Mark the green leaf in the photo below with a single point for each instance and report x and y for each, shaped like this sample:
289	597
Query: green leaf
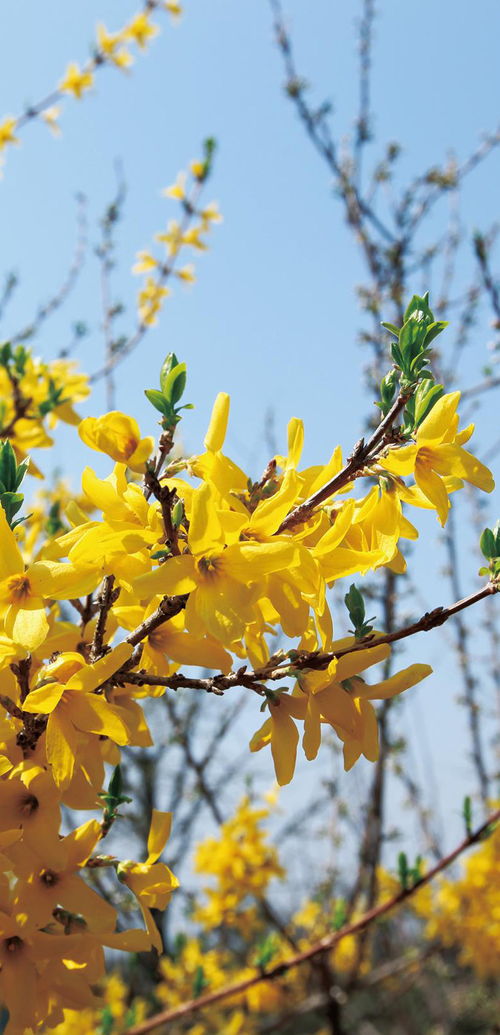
356	608
168	364
175	383
403	870
339	914
467	814
177	513
158	400
433	330
419	304
199	982
488	544
8	467
391	328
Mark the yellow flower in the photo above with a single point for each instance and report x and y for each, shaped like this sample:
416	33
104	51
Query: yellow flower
23	591
119	437
7	128
173	7
224	578
49	876
178	189
438	452
338	697
110	47
73	708
140	30
76	80
150	300
151	882
145	263
29	799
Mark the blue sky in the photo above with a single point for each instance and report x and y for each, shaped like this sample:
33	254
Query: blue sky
273	318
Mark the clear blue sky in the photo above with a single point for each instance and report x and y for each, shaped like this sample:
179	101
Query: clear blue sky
273	318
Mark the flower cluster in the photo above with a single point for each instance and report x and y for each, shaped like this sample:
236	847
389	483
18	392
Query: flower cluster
187	233
200	565
35	396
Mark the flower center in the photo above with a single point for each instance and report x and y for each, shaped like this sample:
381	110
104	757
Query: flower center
49	878
18	588
209	566
129	447
29	805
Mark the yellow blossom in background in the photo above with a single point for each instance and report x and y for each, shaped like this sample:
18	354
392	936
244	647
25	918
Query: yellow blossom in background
150	300
243	864
140	30
76	81
7	135
464	914
51	118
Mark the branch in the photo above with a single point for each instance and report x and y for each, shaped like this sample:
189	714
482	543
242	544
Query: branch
363	453
169	607
320	947
276	670
105	600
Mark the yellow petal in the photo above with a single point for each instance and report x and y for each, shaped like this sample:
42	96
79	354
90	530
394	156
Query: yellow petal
396	684
284	740
268	515
27	627
92	714
452	459
434	488
351	664
61	747
91	676
436	425
312	729
45	699
250	561
176	575
295	441
159	833
11	561
214	438
205	532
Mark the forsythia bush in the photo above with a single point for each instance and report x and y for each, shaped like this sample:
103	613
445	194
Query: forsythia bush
172	562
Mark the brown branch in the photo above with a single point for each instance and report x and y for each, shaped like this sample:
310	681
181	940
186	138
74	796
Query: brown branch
320	947
363	453
105	600
276	670
168	608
